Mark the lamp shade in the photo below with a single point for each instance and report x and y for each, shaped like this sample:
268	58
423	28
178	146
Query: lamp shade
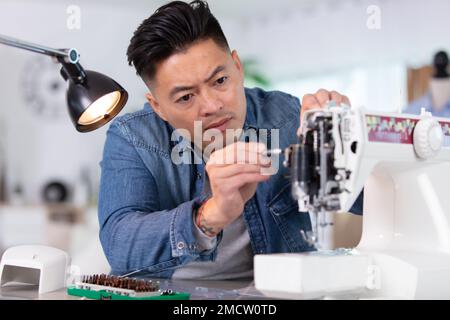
95	101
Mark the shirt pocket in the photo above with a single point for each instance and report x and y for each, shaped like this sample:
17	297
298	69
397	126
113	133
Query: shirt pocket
283	202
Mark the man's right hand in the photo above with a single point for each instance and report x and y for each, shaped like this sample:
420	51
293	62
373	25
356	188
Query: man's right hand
234	173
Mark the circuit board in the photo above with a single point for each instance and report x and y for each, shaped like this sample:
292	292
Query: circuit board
105	287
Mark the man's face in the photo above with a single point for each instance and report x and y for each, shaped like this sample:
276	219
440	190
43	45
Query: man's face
203	83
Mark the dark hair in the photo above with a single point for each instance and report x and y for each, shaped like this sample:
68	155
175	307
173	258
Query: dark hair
172	29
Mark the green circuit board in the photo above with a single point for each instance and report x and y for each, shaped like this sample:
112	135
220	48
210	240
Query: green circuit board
104	295
106	287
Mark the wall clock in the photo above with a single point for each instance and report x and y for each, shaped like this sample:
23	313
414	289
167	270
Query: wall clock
43	88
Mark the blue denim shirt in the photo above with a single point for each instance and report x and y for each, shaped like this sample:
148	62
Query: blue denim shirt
146	201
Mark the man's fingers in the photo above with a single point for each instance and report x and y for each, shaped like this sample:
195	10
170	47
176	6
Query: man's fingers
237	169
336	97
339	98
323	96
240	152
244	158
246	178
240	148
309	101
249	146
319	100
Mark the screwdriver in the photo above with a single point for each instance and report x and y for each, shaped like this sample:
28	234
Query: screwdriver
271	152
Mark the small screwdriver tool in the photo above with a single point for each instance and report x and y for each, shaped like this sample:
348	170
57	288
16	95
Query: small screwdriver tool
271	152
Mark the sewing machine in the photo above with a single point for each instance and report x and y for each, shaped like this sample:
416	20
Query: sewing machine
403	164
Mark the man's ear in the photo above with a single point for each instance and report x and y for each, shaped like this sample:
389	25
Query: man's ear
237	62
156	106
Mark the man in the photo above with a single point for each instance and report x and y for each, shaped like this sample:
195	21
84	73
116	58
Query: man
199	219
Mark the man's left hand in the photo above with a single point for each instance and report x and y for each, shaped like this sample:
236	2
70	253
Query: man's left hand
320	99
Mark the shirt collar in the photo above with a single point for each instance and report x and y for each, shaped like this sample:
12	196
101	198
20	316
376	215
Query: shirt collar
250	119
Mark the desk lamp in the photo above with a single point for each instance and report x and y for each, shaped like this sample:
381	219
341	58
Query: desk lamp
93	99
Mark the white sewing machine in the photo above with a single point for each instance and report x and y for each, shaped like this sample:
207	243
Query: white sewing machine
403	163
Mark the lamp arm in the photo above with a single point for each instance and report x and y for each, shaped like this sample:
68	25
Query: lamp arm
69	55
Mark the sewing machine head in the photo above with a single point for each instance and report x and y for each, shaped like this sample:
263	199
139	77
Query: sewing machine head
317	172
403	163
339	148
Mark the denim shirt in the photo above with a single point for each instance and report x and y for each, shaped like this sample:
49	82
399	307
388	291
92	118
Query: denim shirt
146	202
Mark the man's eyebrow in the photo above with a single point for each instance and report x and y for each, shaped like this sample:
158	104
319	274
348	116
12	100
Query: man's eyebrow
175	90
216	71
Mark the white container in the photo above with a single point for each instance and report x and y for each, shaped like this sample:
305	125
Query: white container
35	264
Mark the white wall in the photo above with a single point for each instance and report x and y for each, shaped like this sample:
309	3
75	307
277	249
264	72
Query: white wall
41	148
306	45
328	35
293	40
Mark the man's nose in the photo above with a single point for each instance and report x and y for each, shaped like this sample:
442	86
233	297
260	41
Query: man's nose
210	104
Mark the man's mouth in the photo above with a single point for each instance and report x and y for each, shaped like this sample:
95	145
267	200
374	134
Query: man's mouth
220	125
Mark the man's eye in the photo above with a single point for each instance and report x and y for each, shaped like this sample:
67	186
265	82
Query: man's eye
221	80
185	98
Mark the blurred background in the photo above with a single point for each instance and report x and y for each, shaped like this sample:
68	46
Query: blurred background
381	54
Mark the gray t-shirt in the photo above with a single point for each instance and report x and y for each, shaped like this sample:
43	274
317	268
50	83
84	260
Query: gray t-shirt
234	255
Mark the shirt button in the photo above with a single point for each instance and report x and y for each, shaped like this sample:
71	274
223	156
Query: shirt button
180	245
199	175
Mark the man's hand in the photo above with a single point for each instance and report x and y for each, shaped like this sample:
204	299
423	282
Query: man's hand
234	173
319	100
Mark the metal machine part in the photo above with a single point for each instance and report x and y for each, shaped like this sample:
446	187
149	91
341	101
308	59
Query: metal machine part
316	181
